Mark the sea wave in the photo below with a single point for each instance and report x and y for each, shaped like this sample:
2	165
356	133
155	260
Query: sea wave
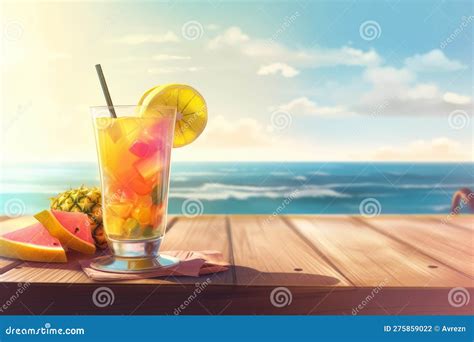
300	178
319	173
218	191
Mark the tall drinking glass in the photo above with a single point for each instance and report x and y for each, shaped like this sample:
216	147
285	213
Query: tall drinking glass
134	152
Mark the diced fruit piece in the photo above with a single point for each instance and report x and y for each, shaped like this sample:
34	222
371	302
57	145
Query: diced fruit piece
71	229
140	186
113	225
156	194
148	231
142	215
143	149
130	127
131	228
114	131
144	201
148	168
157	132
116	192
32	243
120	209
109	126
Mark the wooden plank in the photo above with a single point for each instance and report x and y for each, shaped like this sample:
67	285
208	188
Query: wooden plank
139	299
201	233
462	221
370	259
449	246
268	252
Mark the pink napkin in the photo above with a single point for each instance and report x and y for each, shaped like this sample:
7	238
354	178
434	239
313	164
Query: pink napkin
192	263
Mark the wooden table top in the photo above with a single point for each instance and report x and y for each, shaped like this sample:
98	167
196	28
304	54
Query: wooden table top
391	264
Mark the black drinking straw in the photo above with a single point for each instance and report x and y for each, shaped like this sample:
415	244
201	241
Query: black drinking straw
103	84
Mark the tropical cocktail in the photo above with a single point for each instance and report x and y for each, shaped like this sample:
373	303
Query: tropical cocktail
134	147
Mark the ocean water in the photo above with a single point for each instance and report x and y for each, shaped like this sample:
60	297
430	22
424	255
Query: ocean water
264	188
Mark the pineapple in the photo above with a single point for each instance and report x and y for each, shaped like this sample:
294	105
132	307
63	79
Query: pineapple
85	200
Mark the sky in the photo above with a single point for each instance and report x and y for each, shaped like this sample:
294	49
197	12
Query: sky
299	80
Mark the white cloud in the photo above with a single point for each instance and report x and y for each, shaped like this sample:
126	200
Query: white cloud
438	149
313	58
457	99
227	138
172	69
234	133
231	37
282	68
304	106
388	76
395	92
435	60
136	39
170	58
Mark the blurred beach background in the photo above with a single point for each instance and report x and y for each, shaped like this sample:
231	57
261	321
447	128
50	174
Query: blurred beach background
313	108
266	188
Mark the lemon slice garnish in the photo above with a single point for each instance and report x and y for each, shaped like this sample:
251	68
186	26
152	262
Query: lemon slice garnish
191	110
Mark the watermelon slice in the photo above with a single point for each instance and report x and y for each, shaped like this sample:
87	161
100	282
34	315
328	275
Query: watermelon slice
71	228
33	243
